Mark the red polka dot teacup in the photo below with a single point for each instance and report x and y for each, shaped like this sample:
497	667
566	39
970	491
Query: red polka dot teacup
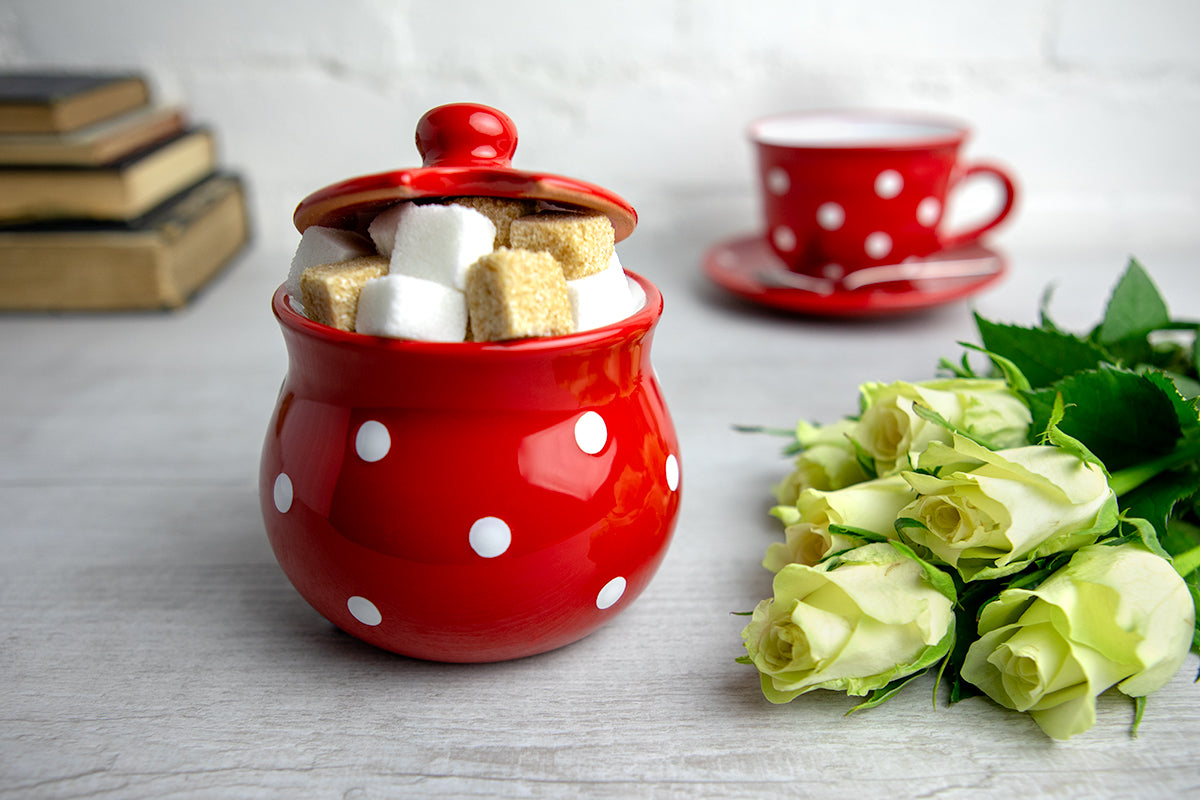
847	190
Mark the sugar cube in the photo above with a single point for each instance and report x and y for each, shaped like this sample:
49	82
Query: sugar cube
321	245
440	242
382	229
582	242
514	294
330	291
404	307
600	298
501	211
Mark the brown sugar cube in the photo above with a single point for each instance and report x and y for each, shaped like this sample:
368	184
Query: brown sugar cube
330	291
500	210
582	243
515	294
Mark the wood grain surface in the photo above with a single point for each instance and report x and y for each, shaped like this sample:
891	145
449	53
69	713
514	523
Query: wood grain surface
151	648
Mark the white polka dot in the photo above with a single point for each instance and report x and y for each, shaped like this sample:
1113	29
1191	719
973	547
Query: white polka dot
928	211
778	181
283	492
672	473
611	593
888	184
878	244
833	272
726	259
591	433
830	216
364	610
373	441
490	536
784	238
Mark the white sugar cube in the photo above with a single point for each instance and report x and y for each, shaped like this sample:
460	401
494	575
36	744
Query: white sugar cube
404	307
601	298
319	245
440	243
382	229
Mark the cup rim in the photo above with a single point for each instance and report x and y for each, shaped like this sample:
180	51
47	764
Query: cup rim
639	321
939	129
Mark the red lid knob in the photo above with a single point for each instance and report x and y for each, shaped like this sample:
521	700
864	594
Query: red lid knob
466	134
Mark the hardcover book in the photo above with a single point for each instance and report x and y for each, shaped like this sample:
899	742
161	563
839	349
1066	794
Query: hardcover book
49	102
156	261
122	190
99	143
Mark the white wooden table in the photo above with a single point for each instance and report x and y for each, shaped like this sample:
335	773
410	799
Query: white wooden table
151	648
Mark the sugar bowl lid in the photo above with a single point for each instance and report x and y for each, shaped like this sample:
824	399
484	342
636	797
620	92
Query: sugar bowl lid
467	150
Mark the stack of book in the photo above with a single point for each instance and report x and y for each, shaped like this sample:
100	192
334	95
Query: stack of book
107	199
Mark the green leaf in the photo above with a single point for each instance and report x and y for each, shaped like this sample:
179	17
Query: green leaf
1120	416
1139	708
885	693
904	523
1182	540
1012	373
765	429
939	580
1040	570
961	370
929	415
1193	583
1188	562
1186	411
1188	387
1055	436
865	460
1133	353
1043	356
966	630
1186	453
1147	535
1155	501
859	533
792	448
1134	309
1044	309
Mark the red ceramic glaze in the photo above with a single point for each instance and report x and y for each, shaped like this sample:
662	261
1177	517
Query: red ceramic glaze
845	191
468	501
467	149
393	471
747	267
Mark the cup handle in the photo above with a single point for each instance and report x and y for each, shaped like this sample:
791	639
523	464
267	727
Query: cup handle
1010	198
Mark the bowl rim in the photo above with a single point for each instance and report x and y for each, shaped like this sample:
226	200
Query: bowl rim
639	321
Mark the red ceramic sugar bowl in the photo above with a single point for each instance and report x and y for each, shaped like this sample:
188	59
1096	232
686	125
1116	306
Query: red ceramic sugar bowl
469	501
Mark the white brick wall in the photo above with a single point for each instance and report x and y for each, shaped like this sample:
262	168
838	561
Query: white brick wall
1095	105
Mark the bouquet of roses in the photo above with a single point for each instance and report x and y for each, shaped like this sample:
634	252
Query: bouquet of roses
1030	534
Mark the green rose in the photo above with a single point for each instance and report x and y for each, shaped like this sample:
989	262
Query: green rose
871	506
989	514
1115	615
852	623
827	462
894	435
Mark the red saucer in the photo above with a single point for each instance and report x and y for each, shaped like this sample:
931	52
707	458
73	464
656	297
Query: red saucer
747	267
